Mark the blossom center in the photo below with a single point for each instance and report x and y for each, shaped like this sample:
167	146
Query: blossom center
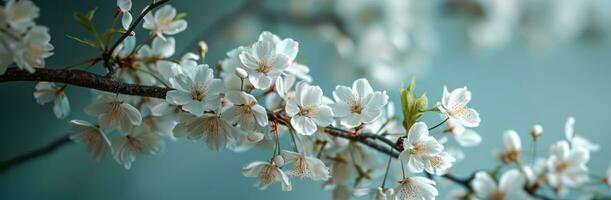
246	109
562	166
418	149
356	107
17	14
264	67
408	190
436	162
301	168
266	176
497	195
198	93
307	111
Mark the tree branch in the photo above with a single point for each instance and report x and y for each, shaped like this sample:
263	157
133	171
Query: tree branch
94	81
49	148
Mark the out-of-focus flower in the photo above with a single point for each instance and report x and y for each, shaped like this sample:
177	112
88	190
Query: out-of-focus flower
454	105
377	193
439	164
163	22
20	14
465	137
359	104
513	147
509	186
307	110
566	166
266	173
92	136
139	141
33	49
114	112
47	92
576	140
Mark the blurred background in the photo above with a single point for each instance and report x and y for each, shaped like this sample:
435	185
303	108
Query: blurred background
525	61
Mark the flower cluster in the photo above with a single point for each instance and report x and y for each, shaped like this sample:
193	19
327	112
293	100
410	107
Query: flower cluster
260	96
22	41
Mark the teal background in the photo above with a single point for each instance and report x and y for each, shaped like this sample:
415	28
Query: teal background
513	88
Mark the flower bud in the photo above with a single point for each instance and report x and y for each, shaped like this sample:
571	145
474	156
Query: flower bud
202	47
278	160
536	131
241	73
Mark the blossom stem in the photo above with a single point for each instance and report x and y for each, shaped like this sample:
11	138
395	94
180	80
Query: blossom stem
387	170
439	124
322	149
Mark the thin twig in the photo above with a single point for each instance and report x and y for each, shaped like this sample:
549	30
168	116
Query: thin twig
440	123
49	148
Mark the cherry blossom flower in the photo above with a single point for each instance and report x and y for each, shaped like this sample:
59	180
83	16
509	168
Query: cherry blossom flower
359	104
307	110
283	94
607	178
576	140
266	173
139	141
125	6
419	147
92	136
245	111
454	105
244	140
439	164
196	92
114	112
163	23
20	14
416	187
47	92
513	147
509	186
264	63
210	128
33	49
160	49
566	165
306	166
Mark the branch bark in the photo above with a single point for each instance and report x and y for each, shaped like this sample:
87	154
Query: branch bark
94	81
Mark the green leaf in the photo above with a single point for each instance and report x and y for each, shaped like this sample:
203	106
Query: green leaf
84	21
90	13
413	106
83	41
180	15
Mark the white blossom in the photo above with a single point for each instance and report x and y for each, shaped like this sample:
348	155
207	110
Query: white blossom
607	178
576	140
264	63
266	173
307	110
125	6
359	104
245	111
196	92
92	136
20	14
513	147
566	165
47	92
509	186
114	112
416	187
439	164
454	105
244	140
210	128
139	141
306	166
162	22
419	146
30	53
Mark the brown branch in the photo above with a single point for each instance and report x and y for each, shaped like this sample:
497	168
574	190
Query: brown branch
94	81
49	148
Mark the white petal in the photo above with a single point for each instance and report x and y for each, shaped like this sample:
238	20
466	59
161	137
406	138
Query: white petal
468	138
126	20
417	132
303	125
569	131
512	140
483	185
342	94
511	181
362	87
